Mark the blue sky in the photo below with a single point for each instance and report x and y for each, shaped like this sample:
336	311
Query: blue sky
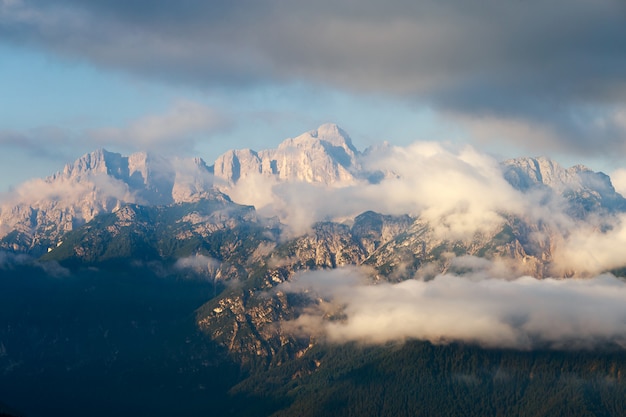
51	103
198	78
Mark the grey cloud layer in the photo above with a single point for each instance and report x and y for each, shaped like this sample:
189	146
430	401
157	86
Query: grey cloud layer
545	66
477	48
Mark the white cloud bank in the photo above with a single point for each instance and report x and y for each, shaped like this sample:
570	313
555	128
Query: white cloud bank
459	190
593	251
522	313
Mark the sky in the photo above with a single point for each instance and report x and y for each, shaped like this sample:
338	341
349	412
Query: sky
191	77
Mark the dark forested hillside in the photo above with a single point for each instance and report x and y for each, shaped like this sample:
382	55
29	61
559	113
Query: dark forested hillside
123	341
419	379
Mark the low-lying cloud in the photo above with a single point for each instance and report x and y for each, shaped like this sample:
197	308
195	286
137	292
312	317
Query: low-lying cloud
200	264
520	313
67	191
10	260
590	250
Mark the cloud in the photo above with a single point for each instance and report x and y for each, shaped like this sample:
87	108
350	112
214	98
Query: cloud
15	139
177	130
460	194
436	47
10	260
180	127
42	142
618	178
521	313
458	190
593	247
66	202
479	59
579	130
67	192
199	263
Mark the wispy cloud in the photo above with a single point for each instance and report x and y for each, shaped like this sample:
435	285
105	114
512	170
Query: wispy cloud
185	123
9	260
200	264
96	189
176	130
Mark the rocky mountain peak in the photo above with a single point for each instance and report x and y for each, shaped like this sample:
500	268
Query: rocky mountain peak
324	155
524	173
329	135
99	161
586	190
98	182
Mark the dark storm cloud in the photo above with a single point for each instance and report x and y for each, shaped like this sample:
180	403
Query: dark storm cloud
530	63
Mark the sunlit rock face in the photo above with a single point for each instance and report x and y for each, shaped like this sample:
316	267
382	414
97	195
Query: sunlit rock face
324	155
40	211
585	190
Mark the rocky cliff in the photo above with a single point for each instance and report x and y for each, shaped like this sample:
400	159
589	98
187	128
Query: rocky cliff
39	212
325	155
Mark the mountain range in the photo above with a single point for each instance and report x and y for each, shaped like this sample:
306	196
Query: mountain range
35	216
272	257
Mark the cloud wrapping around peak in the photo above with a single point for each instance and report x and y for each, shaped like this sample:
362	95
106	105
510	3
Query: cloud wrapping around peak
458	190
618	178
522	313
461	194
96	189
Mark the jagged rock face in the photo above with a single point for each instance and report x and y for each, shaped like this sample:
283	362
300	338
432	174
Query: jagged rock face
215	226
325	155
585	190
524	173
151	179
244	320
41	211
